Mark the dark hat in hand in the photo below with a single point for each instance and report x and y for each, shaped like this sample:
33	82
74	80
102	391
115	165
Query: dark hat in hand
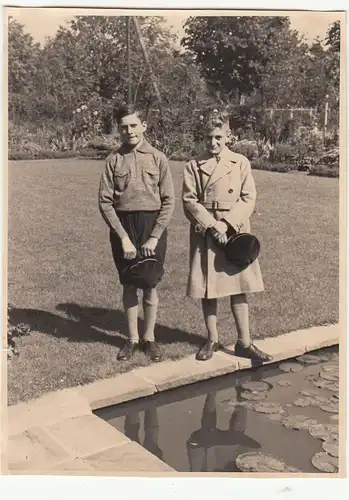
242	249
143	273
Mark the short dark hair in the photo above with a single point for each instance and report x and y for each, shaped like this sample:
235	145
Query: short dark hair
126	110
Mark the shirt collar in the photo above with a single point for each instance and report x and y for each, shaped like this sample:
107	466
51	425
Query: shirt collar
143	147
225	154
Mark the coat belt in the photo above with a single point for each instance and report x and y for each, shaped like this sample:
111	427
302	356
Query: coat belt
216	205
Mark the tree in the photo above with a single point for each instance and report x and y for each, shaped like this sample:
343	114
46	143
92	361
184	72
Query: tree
333	37
233	52
23	55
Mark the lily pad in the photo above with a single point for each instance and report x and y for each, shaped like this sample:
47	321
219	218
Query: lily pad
256	386
309	359
334	418
326	384
331	447
284	383
303	402
330	356
333	377
324	462
298	422
254	396
330	407
325	432
330	367
292	469
312	398
276	417
265	407
259	462
291	367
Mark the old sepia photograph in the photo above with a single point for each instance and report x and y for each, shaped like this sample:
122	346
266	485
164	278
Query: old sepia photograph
175	285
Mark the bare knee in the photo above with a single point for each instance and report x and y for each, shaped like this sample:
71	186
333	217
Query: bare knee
241	298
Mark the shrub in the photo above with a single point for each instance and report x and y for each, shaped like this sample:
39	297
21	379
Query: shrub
324	171
13	333
246	148
283	152
264	164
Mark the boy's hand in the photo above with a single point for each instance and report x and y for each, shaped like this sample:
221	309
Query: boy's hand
129	249
219	232
148	249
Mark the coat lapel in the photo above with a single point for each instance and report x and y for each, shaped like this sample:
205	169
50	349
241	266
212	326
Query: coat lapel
223	167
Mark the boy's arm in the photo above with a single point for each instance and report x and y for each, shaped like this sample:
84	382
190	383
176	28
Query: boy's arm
167	197
106	200
193	210
244	207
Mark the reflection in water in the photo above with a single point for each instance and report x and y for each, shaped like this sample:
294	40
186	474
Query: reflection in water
151	429
225	444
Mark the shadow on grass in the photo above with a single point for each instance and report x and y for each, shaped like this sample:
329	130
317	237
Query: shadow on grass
92	324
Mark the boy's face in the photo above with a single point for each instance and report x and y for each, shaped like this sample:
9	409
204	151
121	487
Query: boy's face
217	139
132	129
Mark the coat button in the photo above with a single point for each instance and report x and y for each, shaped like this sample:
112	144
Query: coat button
230	190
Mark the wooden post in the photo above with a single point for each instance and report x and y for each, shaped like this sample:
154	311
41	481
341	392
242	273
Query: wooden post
129	75
147	61
326	117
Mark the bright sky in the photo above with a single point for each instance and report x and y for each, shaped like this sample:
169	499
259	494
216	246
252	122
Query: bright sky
43	22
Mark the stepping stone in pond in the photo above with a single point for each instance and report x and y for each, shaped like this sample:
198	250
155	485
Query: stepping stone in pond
259	462
309	359
265	407
331	447
284	383
298	422
254	396
256	386
291	367
330	407
324	462
325	432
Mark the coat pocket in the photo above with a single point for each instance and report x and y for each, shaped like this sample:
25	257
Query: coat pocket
121	180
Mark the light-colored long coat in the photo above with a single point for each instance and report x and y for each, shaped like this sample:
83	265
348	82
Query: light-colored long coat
213	191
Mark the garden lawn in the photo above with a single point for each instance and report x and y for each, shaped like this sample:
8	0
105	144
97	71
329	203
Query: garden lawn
63	284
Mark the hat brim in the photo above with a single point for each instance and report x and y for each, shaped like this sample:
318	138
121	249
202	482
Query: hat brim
242	250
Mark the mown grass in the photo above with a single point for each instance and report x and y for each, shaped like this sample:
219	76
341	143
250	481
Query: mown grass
62	281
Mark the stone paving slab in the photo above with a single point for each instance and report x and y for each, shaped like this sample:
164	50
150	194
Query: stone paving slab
47	409
32	449
130	457
171	374
85	435
116	390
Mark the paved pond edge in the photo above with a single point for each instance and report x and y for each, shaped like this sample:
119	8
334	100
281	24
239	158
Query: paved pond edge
59	434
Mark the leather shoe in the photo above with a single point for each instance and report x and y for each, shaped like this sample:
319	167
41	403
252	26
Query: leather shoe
251	352
207	350
152	350
127	351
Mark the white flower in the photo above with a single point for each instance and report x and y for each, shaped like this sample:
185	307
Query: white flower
95	113
201	117
215	110
73	112
78	110
84	107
